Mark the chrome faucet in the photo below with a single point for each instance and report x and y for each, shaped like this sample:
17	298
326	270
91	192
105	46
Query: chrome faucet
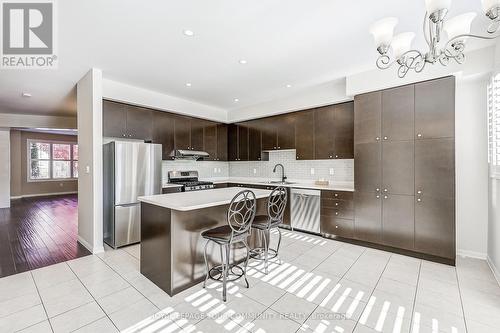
283	177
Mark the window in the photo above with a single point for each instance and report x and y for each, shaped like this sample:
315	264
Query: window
52	160
494	125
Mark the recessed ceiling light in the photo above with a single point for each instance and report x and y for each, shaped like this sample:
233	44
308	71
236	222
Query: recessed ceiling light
288	85
188	84
243	62
189	33
236	100
25	94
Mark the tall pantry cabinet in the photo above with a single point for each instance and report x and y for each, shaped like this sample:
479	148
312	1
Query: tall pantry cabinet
405	167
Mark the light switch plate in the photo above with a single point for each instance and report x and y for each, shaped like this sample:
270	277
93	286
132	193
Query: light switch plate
312	171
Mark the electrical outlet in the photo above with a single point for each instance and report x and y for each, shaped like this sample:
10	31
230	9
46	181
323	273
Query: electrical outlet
218	170
331	171
215	170
312	171
254	171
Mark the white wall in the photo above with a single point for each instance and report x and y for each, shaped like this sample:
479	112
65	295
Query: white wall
324	94
4	167
36	121
471	148
121	92
89	108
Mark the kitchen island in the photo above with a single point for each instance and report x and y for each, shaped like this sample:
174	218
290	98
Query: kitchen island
171	227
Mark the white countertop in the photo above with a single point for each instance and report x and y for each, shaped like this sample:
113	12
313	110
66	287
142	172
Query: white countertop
333	186
186	201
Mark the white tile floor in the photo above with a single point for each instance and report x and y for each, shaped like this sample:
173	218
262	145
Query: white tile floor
321	286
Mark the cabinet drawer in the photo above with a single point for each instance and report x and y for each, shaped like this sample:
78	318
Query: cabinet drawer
337	226
339	213
337	195
167	190
337	204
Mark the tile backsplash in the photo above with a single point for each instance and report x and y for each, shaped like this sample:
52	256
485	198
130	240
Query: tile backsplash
343	170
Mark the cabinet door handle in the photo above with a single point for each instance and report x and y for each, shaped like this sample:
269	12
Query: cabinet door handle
385	190
419	135
385	138
336	156
419	200
377	139
377	190
377	196
419	192
386	197
279	147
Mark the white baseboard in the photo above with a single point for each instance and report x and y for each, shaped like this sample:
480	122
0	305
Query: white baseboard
494	269
96	250
41	195
471	254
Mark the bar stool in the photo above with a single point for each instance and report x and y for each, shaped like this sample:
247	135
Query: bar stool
276	204
240	215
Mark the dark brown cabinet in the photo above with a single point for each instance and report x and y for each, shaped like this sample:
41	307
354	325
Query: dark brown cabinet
435	109
285	130
210	141
304	135
182	133
337	216
323	132
114	122
197	127
367	117
163	133
238	142
254	144
343	131
222	144
268	130
405	169
125	121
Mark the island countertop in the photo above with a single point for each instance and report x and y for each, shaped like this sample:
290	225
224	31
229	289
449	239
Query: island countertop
186	201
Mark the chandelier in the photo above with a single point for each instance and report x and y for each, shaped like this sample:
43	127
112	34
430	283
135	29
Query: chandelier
396	50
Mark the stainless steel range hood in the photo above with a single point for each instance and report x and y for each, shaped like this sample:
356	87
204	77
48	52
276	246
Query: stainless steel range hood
184	154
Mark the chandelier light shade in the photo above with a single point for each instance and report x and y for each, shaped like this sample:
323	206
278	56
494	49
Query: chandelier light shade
459	25
397	50
402	44
383	31
433	6
490	5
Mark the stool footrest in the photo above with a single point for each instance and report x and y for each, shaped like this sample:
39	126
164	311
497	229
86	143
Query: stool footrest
259	253
234	273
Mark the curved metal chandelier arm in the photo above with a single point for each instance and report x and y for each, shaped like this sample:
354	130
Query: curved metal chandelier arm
384	61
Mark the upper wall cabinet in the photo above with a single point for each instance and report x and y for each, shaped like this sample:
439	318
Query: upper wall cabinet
285	130
323	132
398	113
368	117
435	109
334	131
124	121
197	126
163	132
304	135
182	133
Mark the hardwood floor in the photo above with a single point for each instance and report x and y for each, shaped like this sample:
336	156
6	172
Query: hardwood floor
38	232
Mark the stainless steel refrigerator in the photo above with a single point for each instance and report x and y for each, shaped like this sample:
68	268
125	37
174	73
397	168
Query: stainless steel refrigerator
131	170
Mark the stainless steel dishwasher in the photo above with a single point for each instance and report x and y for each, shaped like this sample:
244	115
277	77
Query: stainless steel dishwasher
305	210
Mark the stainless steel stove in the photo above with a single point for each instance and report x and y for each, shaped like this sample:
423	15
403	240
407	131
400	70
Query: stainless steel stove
188	180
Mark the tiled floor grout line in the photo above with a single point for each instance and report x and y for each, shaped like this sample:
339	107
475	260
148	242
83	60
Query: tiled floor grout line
95	300
461	299
41	301
415	298
371	294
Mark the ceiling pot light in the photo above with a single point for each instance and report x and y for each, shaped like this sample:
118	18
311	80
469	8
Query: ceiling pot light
188	33
25	94
288	85
236	100
188	84
383	31
243	62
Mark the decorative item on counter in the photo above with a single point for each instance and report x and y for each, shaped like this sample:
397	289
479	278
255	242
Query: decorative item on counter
322	182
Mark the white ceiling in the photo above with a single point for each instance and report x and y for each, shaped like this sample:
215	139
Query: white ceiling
141	43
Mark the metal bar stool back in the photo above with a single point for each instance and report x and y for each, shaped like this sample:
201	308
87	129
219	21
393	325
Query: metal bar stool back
276	204
239	218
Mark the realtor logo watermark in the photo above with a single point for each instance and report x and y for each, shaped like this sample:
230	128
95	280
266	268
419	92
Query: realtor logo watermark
28	34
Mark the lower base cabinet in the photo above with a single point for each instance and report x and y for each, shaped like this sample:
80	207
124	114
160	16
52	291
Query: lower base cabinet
337	215
368	217
398	221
